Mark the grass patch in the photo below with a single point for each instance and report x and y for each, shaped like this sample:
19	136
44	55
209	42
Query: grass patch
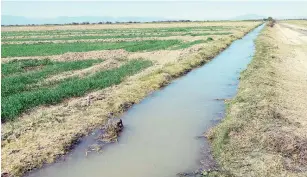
80	37
19	66
18	75
16	50
188	44
206	34
14	105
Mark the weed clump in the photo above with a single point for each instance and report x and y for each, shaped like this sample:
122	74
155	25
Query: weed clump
209	39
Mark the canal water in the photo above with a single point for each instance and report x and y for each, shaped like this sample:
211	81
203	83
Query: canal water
160	138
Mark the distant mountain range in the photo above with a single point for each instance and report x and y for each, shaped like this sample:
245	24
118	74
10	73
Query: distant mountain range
258	17
20	20
249	17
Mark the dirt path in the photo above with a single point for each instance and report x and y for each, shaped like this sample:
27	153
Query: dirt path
296	28
291	34
293	74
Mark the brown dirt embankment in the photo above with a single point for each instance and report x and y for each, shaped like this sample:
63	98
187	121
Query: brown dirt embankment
265	129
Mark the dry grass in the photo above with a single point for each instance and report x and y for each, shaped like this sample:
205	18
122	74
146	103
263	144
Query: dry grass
302	23
32	140
72	56
264	132
123	26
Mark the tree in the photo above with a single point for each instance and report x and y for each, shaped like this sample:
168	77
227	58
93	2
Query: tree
270	19
271	22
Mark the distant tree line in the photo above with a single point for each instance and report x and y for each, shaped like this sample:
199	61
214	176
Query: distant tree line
162	21
107	22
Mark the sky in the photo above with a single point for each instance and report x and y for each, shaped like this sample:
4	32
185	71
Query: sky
192	10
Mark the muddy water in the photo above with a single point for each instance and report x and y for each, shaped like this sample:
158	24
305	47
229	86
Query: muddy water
160	134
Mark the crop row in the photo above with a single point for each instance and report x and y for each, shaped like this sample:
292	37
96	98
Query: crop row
123	36
116	31
17	76
45	49
14	105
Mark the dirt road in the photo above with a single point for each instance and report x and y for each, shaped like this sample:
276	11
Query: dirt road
293	79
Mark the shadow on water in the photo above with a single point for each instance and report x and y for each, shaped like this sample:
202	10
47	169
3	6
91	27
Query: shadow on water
161	134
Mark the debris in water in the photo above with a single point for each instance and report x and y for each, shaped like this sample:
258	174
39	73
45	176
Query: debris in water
112	129
107	135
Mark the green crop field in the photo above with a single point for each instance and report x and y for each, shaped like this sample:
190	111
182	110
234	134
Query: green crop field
17	76
15	103
45	49
24	82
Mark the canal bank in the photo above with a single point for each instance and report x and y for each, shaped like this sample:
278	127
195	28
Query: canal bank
161	133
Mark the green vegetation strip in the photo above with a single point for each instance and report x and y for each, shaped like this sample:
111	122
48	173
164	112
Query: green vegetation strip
189	44
14	105
17	50
19	75
111	31
123	36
